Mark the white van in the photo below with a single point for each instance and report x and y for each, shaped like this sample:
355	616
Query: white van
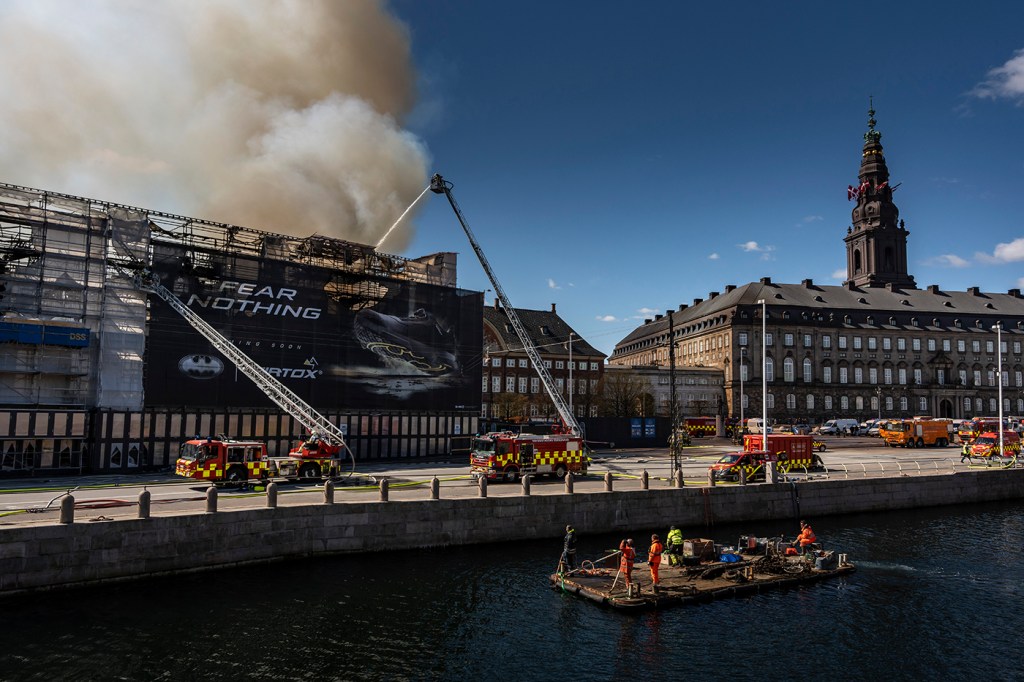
754	426
837	426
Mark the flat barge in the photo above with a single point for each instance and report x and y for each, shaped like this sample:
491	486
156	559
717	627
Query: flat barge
701	582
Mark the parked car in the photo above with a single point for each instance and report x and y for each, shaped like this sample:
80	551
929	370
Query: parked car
802	429
784	428
876	427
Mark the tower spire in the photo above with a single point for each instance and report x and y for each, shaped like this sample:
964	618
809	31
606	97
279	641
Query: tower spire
876	244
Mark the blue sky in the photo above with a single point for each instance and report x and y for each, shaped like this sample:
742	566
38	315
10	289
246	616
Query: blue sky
621	158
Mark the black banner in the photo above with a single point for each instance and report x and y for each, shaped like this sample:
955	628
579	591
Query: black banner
340	340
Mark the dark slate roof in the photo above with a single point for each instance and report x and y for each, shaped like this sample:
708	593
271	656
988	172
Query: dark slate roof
555	342
880	302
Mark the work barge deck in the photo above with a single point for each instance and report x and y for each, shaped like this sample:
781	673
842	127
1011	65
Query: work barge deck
702	582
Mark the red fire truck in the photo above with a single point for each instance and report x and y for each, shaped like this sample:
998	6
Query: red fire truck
698	427
789	451
220	460
504	455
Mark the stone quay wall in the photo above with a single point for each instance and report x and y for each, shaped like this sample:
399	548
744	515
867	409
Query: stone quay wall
41	557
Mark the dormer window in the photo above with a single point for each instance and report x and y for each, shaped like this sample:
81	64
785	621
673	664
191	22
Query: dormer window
913	321
545	330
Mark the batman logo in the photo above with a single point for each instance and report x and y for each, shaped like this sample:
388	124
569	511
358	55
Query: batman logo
200	366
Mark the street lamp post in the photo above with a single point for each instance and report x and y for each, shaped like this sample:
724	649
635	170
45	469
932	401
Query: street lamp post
570	373
770	473
998	326
878	393
743	355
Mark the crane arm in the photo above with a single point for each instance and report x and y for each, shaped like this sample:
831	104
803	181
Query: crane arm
280	394
439	185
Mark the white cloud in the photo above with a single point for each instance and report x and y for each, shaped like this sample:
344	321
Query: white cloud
1010	252
647	311
714	256
552	285
1006	81
754	247
949	260
839	274
811	219
607	318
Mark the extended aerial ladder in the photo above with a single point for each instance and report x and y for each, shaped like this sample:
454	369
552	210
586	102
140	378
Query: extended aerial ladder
329	440
439	185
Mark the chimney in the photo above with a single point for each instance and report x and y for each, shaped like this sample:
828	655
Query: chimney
1014	292
497	304
648	321
553	308
766	281
934	289
974	291
658	317
808	283
682	307
730	287
697	301
712	294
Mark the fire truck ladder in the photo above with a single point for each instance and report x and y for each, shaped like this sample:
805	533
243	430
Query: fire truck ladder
439	185
282	396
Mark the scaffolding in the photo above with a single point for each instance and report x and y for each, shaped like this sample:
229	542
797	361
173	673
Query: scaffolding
62	260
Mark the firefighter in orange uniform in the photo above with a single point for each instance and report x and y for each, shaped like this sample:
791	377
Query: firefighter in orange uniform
626	563
806	537
654	559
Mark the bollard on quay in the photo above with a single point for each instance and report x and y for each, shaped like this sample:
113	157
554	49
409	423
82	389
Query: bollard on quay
743	476
211	499
383	490
435	488
328	492
679	478
608	481
67	509
711	478
568	483
526	485
272	495
482	484
645	480
145	498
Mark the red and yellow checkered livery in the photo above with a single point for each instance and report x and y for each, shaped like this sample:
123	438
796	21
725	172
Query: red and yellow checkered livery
699	427
793	451
216	460
507	456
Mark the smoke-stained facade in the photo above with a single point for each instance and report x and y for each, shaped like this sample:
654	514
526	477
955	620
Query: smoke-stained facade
340	340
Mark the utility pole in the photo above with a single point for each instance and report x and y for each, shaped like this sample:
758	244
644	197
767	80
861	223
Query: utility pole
673	406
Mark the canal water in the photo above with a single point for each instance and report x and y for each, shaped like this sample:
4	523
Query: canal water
937	594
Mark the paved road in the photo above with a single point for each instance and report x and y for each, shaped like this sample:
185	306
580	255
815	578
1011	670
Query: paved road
99	498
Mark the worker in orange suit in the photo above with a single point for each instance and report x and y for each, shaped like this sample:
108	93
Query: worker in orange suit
806	538
626	562
654	559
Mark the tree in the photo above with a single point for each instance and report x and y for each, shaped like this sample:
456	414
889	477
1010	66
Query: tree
507	406
624	395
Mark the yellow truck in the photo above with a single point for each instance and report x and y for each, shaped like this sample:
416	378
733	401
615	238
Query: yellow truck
917	433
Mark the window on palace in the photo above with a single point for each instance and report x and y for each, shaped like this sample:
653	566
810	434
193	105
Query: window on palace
980	404
787	339
826	342
1016	347
915	345
496	384
858	403
808	370
917	376
808	341
828	402
790	401
922	404
741	338
844	403
1018	376
843	375
888	404
977	377
522	362
874	402
788	370
902	373
872	344
946	346
744	374
534	385
990	347
510	384
770	401
858	375
826	374
769	369
510	362
992	405
940	376
857	341
991	377
931	345
886	343
522	384
903	404
485	384
842	343
872	375
810	402
769	339
887	375
901	345
962	374
961	346
976	346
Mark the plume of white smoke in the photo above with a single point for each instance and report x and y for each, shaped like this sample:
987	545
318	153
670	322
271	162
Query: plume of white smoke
283	115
